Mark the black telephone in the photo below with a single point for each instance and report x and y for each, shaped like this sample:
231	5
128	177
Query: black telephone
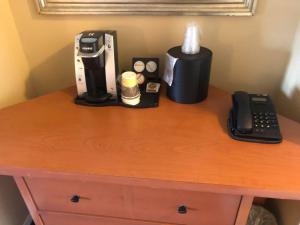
253	118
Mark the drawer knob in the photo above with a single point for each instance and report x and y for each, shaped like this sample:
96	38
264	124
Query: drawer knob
75	198
182	209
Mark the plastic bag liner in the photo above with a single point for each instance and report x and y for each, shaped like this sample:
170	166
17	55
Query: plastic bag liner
260	216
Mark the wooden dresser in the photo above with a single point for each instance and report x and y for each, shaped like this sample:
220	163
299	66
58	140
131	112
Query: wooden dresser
174	164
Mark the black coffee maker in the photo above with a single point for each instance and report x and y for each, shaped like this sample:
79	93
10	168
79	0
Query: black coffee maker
96	67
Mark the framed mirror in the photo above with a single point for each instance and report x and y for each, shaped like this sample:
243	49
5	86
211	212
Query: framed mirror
149	7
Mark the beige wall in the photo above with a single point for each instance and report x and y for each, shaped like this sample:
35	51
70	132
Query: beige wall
12	207
13	88
250	53
13	63
287	211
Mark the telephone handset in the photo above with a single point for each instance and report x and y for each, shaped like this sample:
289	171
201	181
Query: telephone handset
253	118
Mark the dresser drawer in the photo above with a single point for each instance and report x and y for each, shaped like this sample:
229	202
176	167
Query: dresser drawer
73	219
131	202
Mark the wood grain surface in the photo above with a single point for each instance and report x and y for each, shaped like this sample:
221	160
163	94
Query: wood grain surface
26	194
132	202
244	210
54	218
174	142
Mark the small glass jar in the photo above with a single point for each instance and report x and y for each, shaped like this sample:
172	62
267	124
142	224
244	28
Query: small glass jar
130	91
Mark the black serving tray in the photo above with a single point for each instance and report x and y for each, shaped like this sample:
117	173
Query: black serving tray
148	100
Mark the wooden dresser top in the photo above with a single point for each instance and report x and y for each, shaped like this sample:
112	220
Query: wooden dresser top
174	142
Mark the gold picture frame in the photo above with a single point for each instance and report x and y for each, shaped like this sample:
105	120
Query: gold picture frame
148	7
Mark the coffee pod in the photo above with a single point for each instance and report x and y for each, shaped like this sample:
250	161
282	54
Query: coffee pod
130	91
140	78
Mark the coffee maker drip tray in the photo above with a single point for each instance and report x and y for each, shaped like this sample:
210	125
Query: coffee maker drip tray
148	100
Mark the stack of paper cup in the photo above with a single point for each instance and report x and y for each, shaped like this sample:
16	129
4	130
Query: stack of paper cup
191	43
130	89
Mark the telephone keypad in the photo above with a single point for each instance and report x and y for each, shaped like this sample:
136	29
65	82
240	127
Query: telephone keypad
263	121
